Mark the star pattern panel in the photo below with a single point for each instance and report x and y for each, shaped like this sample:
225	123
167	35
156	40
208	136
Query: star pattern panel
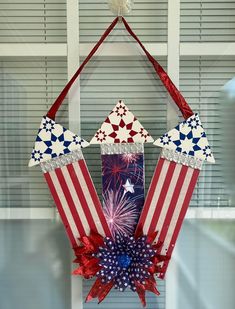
188	138
121	126
52	141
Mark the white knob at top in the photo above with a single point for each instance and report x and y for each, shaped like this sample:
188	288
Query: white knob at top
120	7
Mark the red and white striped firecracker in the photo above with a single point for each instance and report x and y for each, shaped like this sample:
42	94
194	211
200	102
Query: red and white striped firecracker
58	151
175	177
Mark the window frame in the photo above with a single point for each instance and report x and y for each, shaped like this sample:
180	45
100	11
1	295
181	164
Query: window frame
173	50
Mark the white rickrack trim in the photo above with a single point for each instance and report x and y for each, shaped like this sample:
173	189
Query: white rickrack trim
181	158
60	161
121	148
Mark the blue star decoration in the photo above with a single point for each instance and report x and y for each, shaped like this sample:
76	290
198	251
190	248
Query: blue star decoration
37	155
57	146
188	138
207	151
48	124
54	140
194	122
77	140
165	139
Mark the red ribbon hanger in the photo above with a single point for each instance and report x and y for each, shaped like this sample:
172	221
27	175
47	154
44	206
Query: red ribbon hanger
167	82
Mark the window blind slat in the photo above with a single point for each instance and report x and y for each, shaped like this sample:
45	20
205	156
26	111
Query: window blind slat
210	74
148	20
207	21
23	103
40	21
128	299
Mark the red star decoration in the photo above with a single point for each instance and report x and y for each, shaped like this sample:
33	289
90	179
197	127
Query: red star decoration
121	110
144	133
122	124
100	135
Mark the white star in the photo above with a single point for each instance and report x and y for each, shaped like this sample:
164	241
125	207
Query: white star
57	147
187	145
122	134
128	187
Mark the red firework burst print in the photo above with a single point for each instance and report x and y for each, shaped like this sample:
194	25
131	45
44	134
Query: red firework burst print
123	191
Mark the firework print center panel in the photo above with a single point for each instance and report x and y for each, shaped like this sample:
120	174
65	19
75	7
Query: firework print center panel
123	191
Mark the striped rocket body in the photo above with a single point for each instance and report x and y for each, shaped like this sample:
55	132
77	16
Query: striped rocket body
166	204
77	201
58	151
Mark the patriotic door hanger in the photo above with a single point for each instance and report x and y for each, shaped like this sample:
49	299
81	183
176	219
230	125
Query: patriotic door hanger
128	241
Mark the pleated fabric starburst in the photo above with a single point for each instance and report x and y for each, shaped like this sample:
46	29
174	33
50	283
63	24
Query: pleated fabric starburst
121	262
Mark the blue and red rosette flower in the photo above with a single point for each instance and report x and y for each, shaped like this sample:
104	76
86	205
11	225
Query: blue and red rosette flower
121	262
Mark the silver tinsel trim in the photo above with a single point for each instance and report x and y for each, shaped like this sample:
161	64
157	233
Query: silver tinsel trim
60	161
121	148
181	158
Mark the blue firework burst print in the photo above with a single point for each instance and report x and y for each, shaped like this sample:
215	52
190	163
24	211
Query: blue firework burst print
123	190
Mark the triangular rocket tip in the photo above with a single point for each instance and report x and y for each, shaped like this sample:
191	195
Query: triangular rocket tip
121	126
189	138
53	140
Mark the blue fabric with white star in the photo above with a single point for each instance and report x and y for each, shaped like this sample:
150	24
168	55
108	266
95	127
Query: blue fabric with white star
125	260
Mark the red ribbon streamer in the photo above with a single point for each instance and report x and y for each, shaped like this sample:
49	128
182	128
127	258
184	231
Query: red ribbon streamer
99	290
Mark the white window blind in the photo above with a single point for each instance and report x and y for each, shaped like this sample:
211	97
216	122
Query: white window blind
37	21
206	273
201	80
148	20
207	21
27	89
128	299
34	265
